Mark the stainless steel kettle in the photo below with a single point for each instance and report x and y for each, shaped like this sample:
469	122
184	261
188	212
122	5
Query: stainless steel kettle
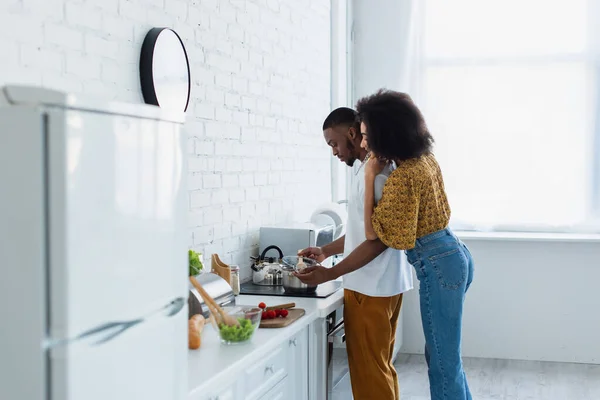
266	271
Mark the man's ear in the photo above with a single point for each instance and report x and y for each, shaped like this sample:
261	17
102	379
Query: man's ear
352	133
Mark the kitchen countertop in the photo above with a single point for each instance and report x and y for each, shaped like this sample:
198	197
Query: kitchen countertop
214	361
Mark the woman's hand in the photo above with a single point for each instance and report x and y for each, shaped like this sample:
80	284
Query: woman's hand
374	167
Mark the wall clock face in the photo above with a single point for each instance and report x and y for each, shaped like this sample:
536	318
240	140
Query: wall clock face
165	70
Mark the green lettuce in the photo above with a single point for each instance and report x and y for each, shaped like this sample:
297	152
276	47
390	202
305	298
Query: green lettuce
195	263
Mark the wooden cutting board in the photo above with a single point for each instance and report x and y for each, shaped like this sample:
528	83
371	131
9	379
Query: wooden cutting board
222	271
294	314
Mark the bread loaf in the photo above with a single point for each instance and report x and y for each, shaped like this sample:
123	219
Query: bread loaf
195	327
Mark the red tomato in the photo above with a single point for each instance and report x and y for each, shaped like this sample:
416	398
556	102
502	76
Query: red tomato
278	312
271	314
284	313
262	305
264	315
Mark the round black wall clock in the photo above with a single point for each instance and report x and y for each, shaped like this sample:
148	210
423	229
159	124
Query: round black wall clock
165	70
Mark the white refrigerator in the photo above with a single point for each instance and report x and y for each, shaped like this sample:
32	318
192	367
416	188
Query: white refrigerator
93	249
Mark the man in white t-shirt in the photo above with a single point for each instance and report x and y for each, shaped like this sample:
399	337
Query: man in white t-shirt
372	293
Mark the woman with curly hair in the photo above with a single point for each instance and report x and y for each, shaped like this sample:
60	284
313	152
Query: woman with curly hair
413	215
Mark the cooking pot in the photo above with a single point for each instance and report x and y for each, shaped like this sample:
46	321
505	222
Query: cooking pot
267	270
291	283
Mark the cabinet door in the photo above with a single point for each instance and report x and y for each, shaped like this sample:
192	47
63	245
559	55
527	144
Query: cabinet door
224	389
279	391
297	385
266	373
227	392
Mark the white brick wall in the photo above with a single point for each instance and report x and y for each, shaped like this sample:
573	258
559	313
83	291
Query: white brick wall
261	88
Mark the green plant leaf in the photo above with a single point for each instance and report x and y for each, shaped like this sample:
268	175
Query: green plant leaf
195	265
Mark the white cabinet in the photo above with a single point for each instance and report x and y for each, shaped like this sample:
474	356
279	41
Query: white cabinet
317	360
266	373
297	361
283	373
226	393
279	391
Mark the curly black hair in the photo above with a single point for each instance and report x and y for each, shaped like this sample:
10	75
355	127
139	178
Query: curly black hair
396	129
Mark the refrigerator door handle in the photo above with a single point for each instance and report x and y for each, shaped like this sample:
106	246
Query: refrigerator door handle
111	330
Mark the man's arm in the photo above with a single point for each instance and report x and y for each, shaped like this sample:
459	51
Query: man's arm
361	256
334	248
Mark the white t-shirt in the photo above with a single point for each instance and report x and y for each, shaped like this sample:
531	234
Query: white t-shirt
386	275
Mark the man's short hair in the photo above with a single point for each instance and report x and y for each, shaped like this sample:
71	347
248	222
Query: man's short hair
342	116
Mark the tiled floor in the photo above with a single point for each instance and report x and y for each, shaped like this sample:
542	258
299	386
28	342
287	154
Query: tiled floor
500	380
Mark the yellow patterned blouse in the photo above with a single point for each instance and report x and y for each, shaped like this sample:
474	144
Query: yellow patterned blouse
413	204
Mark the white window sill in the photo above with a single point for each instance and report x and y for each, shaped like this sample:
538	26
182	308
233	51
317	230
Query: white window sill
529	236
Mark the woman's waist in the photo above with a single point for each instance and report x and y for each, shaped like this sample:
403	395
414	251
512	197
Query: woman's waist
440	234
440	238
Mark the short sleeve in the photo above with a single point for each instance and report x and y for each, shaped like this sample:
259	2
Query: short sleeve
378	186
396	214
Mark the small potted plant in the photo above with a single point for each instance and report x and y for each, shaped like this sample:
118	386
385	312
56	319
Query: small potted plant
195	263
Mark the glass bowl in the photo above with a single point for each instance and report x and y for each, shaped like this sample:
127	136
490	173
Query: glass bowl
292	261
249	319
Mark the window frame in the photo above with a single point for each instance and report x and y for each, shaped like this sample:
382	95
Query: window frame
341	92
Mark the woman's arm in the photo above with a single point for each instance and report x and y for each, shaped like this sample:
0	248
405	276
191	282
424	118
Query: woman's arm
372	169
369	206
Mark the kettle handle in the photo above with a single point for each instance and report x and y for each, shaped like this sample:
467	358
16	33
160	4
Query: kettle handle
264	253
255	261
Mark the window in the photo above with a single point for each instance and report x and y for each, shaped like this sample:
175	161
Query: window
510	91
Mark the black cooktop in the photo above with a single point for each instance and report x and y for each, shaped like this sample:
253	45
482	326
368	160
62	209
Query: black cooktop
323	290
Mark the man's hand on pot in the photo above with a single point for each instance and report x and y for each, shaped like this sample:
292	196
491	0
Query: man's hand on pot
314	276
315	253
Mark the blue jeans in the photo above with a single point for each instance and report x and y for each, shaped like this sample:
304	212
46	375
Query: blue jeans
444	267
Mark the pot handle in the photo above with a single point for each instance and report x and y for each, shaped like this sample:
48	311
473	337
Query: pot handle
264	253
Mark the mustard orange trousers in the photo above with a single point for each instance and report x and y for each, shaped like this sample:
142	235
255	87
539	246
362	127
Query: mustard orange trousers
370	325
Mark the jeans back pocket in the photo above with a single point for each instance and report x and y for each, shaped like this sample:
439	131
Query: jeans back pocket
450	268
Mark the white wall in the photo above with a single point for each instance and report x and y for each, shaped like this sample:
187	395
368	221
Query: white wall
529	301
261	89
